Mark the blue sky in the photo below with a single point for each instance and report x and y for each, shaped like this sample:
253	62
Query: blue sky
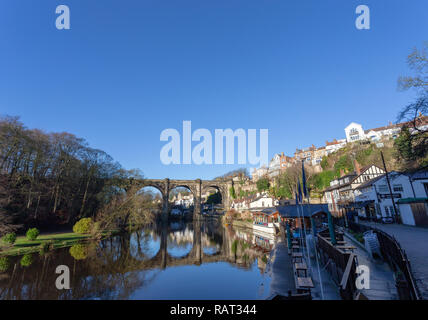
129	69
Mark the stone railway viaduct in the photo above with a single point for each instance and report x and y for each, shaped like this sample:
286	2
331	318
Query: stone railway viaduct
197	188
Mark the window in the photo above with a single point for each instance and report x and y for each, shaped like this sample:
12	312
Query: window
355	137
383	188
426	188
397	187
387	211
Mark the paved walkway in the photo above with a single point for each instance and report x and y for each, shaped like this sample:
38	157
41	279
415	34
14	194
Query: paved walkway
382	283
281	271
414	241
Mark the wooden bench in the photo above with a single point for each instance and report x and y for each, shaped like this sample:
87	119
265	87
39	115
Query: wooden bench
304	283
295	248
346	248
297	257
301	268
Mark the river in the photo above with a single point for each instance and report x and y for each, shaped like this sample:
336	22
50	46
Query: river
196	260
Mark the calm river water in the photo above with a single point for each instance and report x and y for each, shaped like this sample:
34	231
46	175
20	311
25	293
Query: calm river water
199	260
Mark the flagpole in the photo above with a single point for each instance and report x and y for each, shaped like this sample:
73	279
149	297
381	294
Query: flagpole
316	252
303	220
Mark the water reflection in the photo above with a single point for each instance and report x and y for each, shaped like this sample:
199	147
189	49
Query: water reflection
176	261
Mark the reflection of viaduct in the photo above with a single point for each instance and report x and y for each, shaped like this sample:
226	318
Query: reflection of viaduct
197	187
195	256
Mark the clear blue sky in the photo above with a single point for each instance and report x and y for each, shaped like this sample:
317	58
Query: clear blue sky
129	69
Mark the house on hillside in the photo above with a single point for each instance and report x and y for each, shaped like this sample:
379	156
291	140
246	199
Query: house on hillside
354	132
340	194
335	145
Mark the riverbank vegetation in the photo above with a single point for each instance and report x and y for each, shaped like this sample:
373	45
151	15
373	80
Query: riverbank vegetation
49	181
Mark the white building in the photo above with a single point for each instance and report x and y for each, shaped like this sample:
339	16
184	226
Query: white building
259	173
354	132
409	192
240	204
263	201
335	145
185	201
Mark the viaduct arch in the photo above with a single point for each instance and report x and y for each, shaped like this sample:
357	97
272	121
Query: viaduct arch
197	187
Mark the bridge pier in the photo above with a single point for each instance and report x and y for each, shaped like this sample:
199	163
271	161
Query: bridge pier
164	245
197	212
165	201
197	241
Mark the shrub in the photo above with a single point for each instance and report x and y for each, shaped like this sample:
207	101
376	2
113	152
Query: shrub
79	251
9	238
26	260
84	225
4	264
32	234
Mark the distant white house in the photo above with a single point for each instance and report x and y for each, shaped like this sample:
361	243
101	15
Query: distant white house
263	201
335	145
240	204
354	132
185	201
259	173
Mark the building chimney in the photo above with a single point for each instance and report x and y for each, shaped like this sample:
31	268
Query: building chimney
357	167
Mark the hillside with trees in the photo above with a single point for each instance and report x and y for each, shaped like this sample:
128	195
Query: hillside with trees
52	179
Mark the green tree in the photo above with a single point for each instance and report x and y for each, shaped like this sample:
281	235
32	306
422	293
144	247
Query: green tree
403	145
9	238
84	225
4	264
26	260
263	184
79	251
324	162
344	163
32	234
232	192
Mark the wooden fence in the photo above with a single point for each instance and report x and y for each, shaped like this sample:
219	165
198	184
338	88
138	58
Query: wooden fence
341	265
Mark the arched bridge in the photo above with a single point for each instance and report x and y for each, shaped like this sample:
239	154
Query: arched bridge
197	187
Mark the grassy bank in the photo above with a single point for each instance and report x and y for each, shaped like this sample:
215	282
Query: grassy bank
56	240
